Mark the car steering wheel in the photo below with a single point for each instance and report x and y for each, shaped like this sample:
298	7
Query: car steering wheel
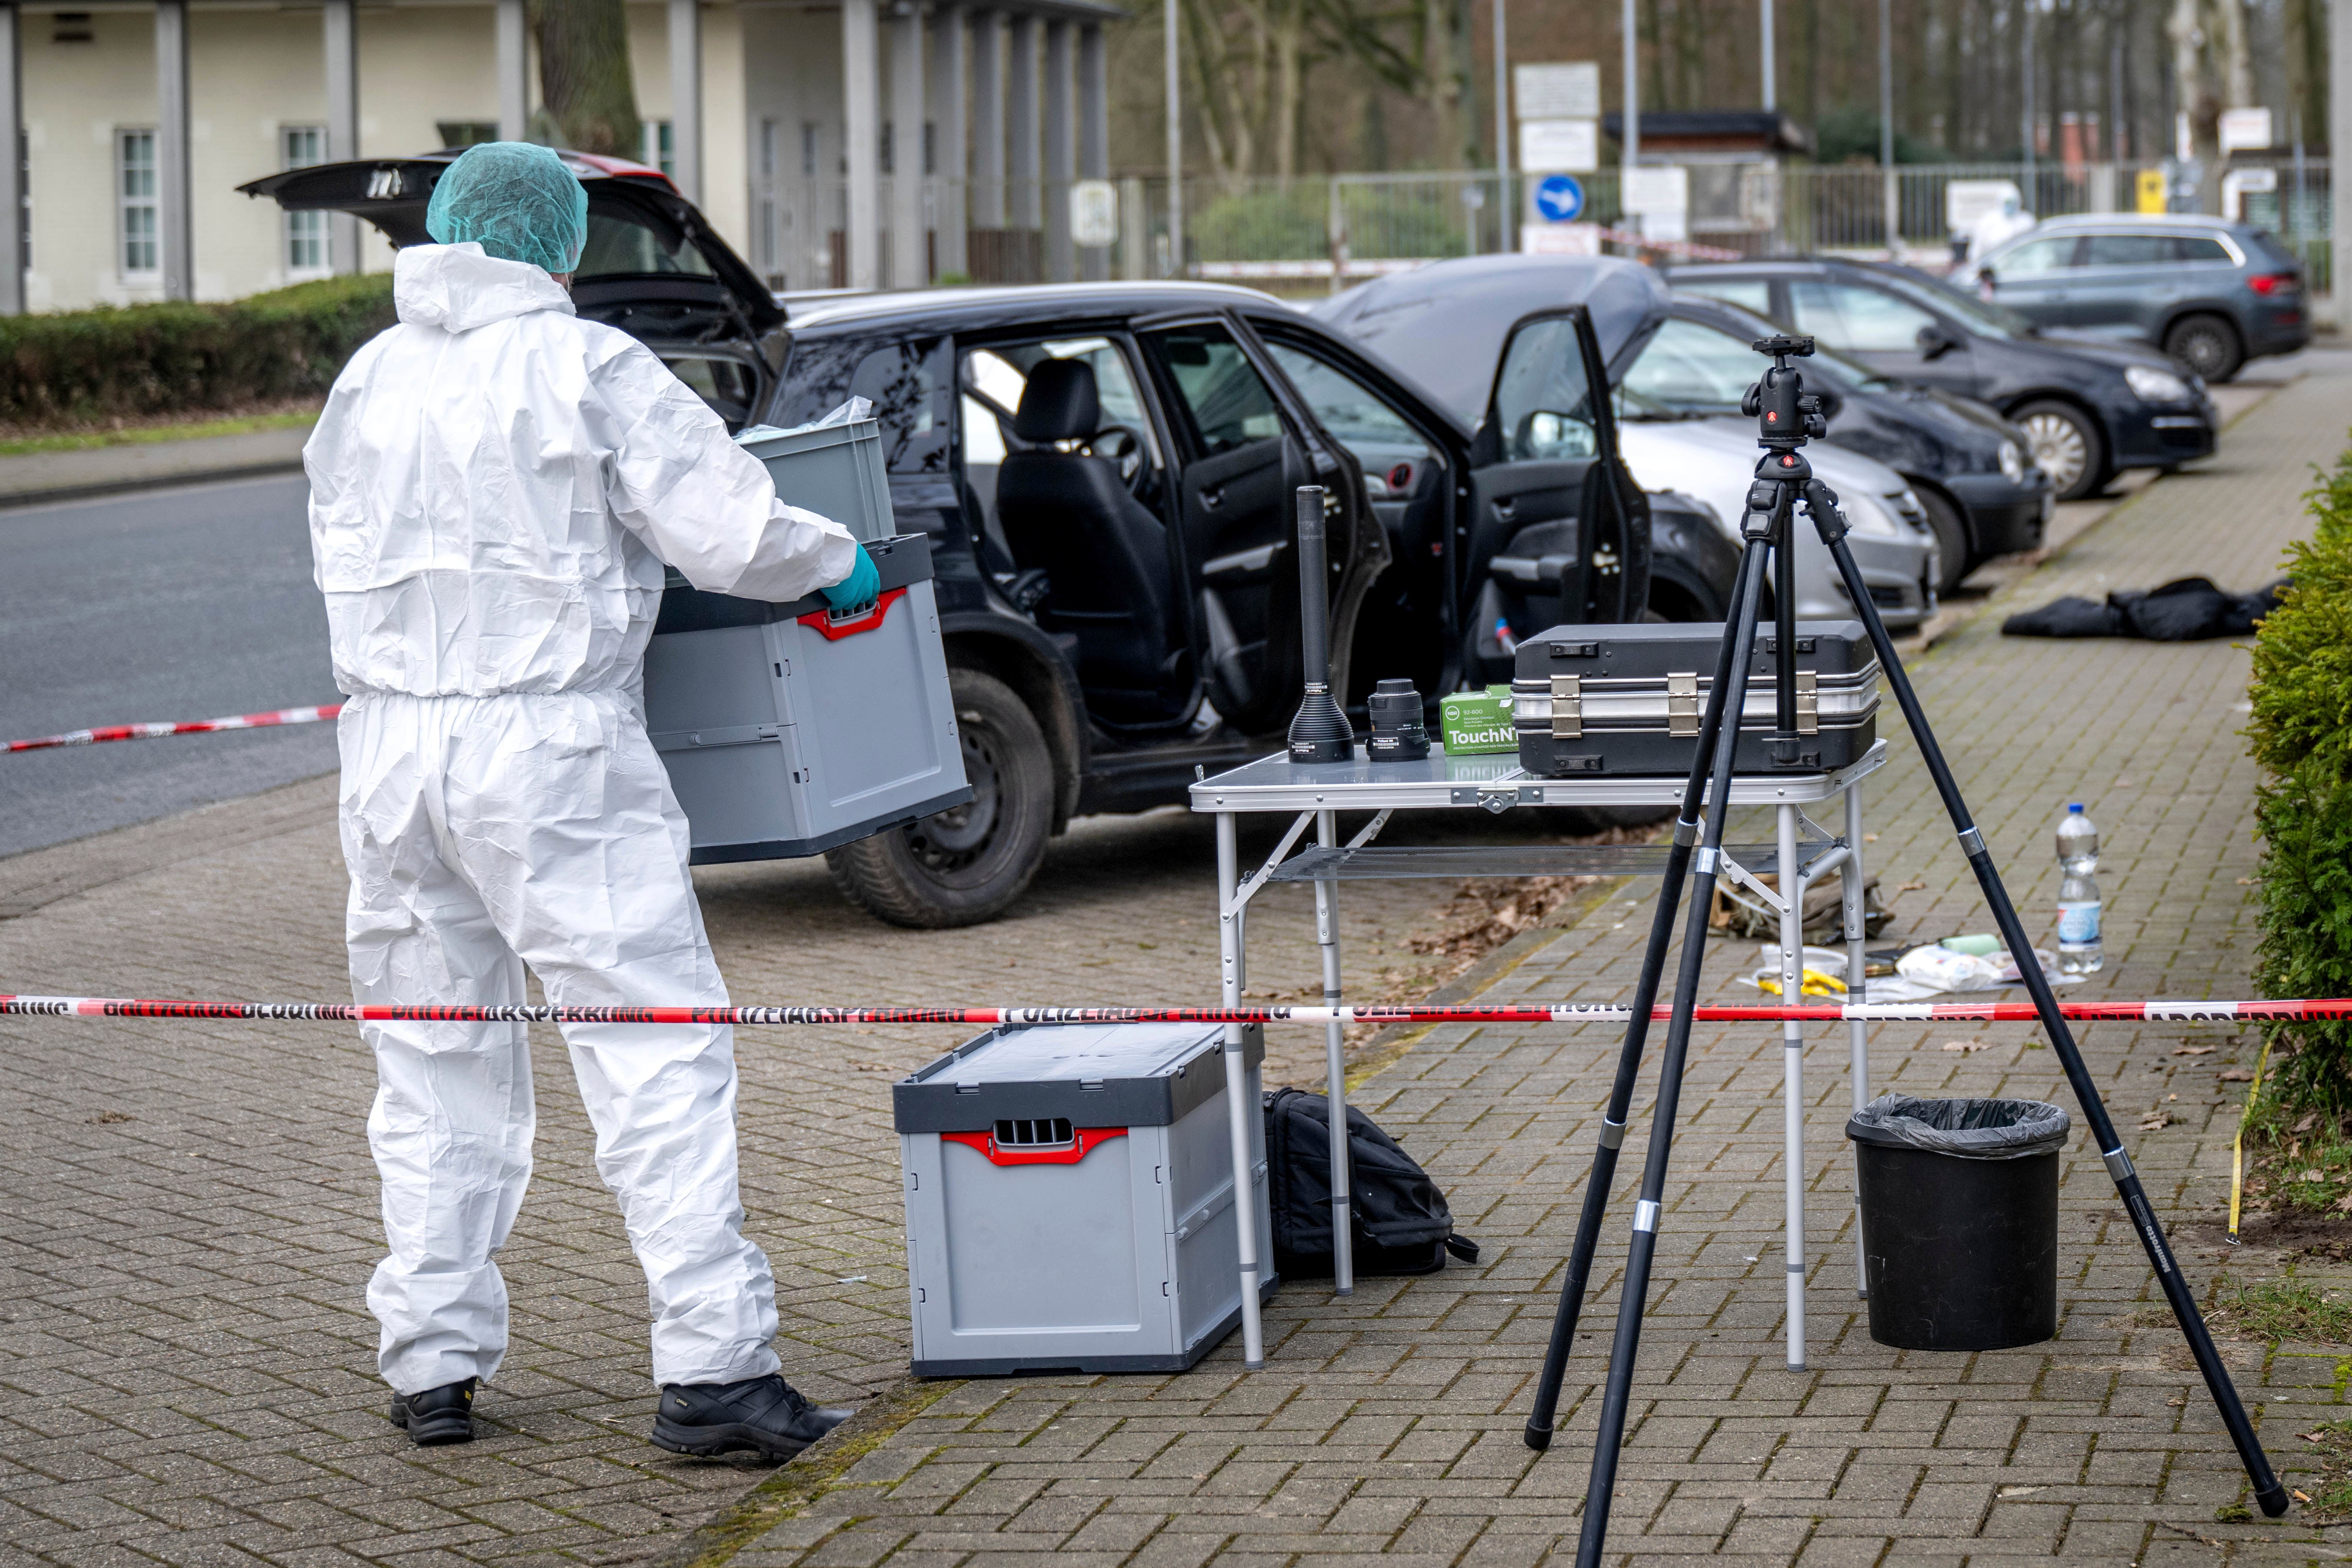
1122	449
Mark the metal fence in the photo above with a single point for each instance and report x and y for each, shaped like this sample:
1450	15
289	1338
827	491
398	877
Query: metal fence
1317	234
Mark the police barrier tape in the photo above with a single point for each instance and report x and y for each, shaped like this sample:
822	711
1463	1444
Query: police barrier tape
1562	1013
275	717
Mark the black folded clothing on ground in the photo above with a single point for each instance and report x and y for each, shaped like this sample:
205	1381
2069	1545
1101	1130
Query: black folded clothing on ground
2188	609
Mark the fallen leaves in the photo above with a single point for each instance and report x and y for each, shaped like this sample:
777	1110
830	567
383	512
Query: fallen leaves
109	1118
2155	1120
1910	887
2193	1050
2235	1074
1968	1045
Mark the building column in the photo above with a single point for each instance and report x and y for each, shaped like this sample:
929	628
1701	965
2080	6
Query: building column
910	262
173	233
2339	143
987	119
1020	115
1094	134
340	26
12	163
1061	155
513	66
862	141
948	208
686	98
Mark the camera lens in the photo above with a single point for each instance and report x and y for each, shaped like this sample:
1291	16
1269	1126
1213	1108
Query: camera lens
1398	732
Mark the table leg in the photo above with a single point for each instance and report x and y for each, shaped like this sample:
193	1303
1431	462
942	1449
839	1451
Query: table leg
1327	932
1858	1033
1792	1077
1240	1103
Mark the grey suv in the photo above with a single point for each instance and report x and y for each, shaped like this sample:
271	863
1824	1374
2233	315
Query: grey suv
2211	294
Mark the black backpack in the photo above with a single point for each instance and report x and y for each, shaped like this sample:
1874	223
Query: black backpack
1401	1223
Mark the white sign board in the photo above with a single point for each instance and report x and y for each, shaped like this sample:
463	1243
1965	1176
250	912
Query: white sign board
1094	212
1561	239
2238	184
1965	201
1656	188
1559	146
2245	131
1571	91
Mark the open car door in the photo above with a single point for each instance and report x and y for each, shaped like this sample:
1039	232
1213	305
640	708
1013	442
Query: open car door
1558	532
651	267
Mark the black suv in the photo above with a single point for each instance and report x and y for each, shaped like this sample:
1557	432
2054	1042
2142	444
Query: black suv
1106	474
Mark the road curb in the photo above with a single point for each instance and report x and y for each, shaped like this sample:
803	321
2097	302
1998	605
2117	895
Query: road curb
18	501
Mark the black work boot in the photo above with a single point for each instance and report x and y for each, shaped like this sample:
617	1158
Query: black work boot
763	1414
438	1416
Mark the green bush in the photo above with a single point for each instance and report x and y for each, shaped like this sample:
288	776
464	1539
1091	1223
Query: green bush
84	367
2302	735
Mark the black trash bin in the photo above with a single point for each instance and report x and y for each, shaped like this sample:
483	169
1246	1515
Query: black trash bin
1959	1220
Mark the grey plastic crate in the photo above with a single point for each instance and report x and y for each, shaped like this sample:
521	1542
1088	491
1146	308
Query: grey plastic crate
1070	1199
837	472
788	730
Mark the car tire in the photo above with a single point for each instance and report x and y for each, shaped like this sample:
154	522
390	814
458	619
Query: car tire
1955	560
2206	345
966	865
2066	444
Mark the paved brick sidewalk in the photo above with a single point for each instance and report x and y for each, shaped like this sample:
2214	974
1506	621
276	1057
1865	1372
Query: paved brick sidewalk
187	1213
1389	1424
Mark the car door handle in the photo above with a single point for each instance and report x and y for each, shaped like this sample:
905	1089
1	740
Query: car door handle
1211	500
1506	508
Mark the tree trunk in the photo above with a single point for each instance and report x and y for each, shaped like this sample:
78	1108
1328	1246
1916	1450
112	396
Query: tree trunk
583	75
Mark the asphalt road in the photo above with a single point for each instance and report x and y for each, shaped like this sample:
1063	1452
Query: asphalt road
181	604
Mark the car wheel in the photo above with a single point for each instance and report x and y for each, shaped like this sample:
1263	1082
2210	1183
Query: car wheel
1954	559
968	864
2207	345
2065	444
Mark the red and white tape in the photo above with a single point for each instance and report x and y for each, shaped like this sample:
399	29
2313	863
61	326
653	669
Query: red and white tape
189	727
1563	1013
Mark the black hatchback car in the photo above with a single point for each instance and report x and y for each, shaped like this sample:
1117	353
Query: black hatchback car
1105	472
2088	410
1981	493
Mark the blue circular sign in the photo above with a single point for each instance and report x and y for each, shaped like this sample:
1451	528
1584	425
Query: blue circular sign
1560	199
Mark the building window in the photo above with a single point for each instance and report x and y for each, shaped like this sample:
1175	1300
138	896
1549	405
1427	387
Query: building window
771	244
134	186
299	146
661	151
808	149
457	134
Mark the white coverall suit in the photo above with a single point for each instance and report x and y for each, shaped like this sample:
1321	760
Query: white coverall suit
495	485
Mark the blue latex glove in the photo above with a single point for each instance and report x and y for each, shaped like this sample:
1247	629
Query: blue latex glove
861	586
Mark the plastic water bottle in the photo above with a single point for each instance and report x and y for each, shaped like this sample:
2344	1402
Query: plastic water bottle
2079	951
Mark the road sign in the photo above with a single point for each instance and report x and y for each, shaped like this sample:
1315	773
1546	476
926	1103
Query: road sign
2245	131
1559	146
1570	90
2148	195
1559	198
1094	212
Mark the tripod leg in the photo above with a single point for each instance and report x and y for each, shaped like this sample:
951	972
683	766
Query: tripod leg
1850	882
1327	932
1723	743
1792	1081
1539	1431
2268	1491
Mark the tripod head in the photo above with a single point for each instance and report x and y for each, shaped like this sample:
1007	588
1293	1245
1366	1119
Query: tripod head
1785	414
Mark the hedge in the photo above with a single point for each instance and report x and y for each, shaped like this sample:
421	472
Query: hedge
84	367
2302	737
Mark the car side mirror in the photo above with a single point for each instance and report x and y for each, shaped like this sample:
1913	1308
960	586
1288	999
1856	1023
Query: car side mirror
1935	341
1549	434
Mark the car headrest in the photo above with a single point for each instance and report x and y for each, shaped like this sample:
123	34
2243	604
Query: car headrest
1059	404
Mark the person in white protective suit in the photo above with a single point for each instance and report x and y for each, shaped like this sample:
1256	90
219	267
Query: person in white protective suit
1996	227
494	486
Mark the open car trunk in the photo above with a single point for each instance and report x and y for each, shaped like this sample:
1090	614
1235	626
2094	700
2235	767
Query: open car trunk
651	267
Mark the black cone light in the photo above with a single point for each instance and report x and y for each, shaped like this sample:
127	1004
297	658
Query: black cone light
1320	731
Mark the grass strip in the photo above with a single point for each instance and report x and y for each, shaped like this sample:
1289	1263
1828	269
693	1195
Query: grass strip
143	434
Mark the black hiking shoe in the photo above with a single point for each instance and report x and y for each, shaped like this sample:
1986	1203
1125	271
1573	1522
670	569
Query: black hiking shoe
764	1414
438	1416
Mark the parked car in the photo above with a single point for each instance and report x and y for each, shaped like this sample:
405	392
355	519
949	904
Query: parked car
1447	324
2088	410
1966	464
2211	294
1106	473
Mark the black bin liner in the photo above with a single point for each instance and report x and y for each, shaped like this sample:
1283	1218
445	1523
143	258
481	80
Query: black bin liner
1959	1220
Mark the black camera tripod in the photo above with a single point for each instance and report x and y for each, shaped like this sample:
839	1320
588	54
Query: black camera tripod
1785	417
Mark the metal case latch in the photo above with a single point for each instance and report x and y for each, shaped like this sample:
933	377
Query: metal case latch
1682	704
1567	707
1809	704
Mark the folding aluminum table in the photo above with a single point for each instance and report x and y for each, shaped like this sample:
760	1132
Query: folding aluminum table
1314	794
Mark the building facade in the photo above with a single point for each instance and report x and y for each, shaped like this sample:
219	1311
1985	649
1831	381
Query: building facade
783	121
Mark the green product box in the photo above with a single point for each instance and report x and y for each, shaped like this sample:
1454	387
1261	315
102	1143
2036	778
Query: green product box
1479	722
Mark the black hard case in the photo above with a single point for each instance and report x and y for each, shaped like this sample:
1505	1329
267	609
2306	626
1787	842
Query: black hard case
1633	687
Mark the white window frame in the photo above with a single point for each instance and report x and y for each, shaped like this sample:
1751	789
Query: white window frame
130	205
656	145
298	147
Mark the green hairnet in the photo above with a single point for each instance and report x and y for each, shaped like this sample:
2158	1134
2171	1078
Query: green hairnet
516	201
